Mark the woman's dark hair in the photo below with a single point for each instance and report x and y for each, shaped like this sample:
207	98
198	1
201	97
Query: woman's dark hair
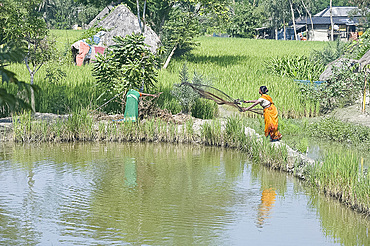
264	89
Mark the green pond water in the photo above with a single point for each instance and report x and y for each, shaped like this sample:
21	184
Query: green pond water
161	194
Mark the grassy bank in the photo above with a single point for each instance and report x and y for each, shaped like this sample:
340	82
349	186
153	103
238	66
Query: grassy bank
235	66
338	175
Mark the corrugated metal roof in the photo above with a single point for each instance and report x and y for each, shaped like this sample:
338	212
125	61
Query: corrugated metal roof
318	20
336	11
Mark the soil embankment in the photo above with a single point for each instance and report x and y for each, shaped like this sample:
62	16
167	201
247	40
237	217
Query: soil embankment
353	114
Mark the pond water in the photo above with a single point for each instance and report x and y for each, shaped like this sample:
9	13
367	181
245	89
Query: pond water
161	194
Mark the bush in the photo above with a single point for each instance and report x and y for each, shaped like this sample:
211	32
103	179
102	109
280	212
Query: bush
204	109
189	100
331	52
296	67
336	130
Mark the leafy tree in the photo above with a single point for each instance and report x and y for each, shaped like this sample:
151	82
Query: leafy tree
244	19
11	53
25	27
63	14
277	11
179	31
364	10
128	64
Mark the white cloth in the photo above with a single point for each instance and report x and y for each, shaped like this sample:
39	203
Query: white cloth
263	102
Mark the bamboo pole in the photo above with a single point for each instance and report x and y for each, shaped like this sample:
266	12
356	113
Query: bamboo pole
364	99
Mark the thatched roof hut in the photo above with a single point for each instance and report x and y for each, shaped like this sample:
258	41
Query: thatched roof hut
340	63
120	21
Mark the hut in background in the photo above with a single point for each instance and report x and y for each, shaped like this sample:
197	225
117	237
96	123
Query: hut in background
117	21
120	21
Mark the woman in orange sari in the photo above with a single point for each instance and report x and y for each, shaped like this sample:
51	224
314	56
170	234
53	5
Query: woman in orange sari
270	114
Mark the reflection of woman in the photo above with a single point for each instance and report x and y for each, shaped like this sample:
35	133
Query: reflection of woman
267	202
270	114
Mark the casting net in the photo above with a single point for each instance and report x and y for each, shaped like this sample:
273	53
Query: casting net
218	96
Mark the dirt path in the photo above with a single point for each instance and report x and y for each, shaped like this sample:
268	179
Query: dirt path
353	114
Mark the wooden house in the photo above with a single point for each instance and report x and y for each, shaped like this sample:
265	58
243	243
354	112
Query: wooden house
345	20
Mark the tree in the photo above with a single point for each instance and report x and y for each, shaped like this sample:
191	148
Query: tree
309	14
11	53
24	26
293	19
364	10
129	64
63	14
179	31
331	21
34	32
13	47
277	10
243	20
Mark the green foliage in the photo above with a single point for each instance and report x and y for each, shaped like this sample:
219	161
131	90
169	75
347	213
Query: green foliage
180	30
359	47
244	18
185	94
63	14
89	34
296	67
11	102
336	130
128	64
343	89
204	109
331	52
190	100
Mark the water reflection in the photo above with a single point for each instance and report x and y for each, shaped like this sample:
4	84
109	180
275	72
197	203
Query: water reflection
267	203
130	172
339	222
157	194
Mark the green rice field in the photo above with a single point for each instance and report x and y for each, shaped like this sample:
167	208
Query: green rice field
235	66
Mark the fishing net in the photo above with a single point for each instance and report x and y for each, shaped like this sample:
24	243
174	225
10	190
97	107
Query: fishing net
218	96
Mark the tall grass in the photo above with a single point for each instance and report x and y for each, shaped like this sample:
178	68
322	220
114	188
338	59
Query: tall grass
339	176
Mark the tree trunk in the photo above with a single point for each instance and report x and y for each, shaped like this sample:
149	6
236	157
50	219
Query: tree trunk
276	33
32	74
169	57
32	95
295	31
138	15
331	21
309	14
284	31
144	8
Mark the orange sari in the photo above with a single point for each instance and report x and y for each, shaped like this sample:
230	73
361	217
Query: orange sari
271	119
